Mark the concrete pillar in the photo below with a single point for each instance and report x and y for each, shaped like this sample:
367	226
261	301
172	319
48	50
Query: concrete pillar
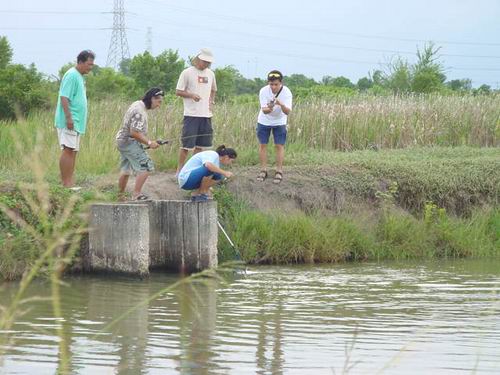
191	235
134	237
118	239
157	224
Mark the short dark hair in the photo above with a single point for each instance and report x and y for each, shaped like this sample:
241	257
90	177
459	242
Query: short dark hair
150	94
274	75
223	151
84	56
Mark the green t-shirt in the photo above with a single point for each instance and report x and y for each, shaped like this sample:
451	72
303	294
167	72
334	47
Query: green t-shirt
73	88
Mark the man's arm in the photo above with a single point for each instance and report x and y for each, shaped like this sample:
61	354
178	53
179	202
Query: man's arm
67	113
182	85
187	95
266	106
212	99
140	137
267	110
286	110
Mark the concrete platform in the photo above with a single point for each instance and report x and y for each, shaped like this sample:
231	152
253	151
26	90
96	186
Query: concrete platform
136	237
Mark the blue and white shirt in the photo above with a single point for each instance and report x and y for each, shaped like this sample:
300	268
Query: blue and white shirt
196	161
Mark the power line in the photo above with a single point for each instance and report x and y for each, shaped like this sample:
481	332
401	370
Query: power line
190	11
320	44
118	46
306	57
56	28
56	12
46	12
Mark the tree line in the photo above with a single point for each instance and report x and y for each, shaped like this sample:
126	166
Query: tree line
24	88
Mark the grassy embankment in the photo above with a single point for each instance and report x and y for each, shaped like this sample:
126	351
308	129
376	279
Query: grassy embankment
345	124
459	184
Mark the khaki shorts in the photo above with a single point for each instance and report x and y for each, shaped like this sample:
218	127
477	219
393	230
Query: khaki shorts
69	138
134	159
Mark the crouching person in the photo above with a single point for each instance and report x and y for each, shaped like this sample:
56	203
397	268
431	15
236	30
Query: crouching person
203	171
130	140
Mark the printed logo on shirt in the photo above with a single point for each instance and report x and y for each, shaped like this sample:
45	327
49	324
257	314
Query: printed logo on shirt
202	79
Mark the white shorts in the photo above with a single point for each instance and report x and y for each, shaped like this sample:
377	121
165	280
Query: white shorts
69	138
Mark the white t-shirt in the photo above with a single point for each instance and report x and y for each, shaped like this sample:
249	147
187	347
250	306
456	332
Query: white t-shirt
277	116
196	161
200	82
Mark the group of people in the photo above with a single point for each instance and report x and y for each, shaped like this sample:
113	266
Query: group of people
197	86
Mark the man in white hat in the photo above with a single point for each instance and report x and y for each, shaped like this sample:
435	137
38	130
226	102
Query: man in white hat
197	87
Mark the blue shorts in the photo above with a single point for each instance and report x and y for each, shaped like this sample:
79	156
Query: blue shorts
196	175
264	131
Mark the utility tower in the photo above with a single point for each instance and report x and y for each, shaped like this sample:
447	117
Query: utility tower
118	47
149	40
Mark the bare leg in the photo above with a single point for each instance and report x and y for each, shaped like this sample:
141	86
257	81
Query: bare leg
122	182
206	184
183	153
196	150
280	157
140	179
67	166
263	157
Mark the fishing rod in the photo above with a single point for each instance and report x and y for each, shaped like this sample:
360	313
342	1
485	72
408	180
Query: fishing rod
238	254
167	141
160	143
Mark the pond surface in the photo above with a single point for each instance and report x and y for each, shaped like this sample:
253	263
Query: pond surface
389	318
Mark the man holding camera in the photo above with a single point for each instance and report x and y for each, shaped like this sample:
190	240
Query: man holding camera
276	105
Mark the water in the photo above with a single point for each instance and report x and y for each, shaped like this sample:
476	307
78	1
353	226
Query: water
389	318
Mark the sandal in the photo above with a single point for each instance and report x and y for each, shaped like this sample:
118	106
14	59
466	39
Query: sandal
142	197
200	198
262	176
278	177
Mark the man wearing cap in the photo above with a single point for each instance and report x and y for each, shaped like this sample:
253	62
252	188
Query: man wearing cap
71	114
197	87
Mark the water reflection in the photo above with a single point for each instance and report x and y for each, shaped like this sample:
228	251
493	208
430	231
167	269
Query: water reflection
441	317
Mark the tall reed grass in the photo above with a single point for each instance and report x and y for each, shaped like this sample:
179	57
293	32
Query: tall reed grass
344	123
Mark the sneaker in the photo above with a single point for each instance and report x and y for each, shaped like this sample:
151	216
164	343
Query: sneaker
75	189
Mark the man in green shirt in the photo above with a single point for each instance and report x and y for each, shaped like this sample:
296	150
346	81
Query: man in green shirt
71	114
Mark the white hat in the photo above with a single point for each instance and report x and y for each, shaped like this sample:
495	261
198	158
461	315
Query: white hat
206	55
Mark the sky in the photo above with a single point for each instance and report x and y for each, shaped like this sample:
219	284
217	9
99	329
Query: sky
316	37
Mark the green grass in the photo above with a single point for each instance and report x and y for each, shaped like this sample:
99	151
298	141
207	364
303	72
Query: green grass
351	123
38	212
388	233
457	179
390	152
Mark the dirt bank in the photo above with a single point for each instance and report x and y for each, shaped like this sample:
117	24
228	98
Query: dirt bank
336	189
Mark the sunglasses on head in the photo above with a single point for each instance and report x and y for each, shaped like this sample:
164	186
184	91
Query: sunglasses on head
274	75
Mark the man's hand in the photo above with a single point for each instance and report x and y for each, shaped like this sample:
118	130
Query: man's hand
228	174
195	97
270	105
154	145
70	124
211	106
